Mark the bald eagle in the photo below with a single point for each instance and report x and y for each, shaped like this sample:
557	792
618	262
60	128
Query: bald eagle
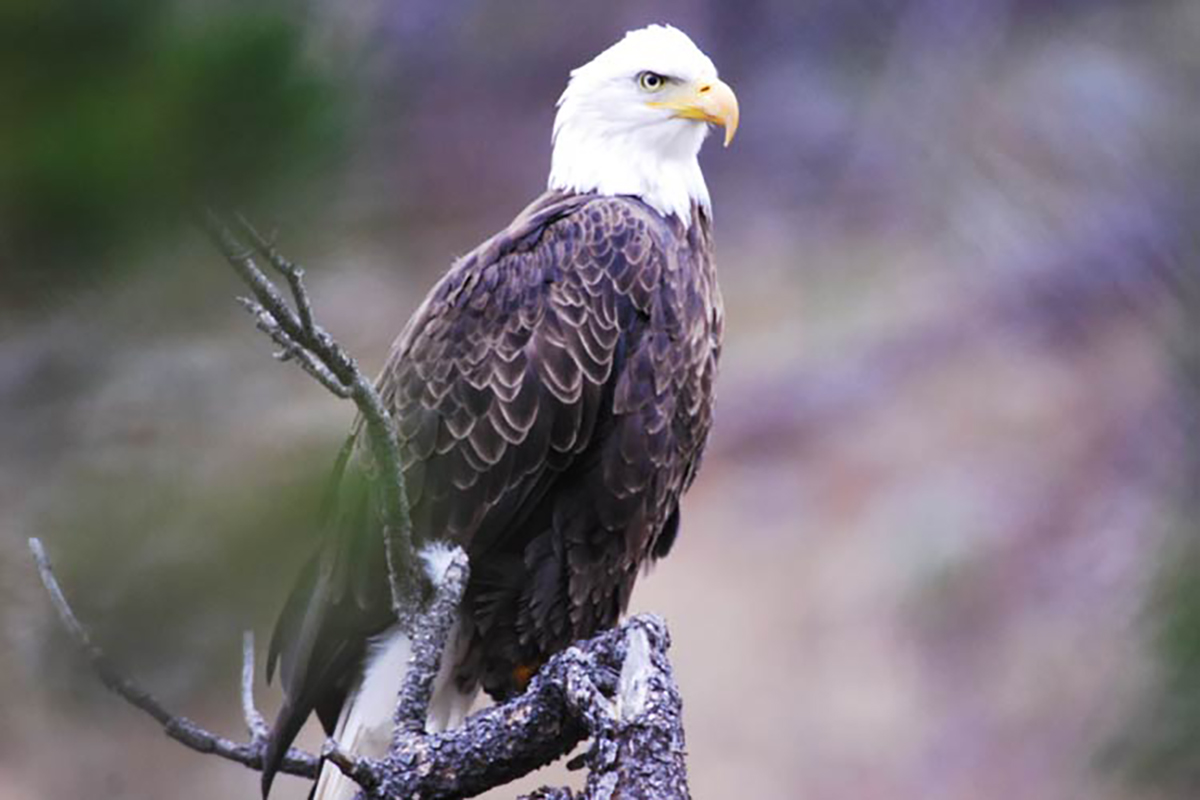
552	394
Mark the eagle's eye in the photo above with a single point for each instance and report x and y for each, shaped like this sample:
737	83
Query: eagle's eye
650	81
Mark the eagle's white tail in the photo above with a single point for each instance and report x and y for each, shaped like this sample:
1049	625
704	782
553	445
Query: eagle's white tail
365	725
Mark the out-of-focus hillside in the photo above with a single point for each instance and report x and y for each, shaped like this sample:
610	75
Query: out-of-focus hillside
943	545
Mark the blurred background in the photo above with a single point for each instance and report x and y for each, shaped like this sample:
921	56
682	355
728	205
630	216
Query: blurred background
945	544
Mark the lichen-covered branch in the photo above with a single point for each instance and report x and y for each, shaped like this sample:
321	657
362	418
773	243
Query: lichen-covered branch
638	749
616	688
429	637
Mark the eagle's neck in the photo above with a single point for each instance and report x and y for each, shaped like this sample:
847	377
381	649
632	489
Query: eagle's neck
657	164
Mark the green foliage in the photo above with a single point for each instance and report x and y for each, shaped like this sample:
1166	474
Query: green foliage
121	116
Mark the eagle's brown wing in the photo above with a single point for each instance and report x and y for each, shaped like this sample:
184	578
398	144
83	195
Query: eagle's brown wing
552	396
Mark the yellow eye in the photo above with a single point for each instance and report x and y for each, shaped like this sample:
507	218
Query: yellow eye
651	81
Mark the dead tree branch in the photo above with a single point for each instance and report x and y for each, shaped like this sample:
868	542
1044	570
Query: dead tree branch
301	340
429	638
182	729
616	688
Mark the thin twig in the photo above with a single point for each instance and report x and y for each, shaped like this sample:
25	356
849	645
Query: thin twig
291	350
182	729
359	770
289	270
255	723
320	355
242	261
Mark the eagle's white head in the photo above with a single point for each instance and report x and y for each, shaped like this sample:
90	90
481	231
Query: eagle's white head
632	120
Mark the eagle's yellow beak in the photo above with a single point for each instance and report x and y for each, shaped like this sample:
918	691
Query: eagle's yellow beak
711	101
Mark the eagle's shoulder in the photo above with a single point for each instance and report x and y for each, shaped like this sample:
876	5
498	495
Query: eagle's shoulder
607	242
570	227
501	372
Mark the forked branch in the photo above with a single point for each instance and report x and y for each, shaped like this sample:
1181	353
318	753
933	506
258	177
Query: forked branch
616	688
302	340
180	728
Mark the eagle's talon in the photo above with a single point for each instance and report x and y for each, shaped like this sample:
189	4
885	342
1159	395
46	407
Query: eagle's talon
584	759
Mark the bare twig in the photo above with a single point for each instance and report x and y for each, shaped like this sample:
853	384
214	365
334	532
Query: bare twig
290	350
255	723
182	729
292	272
242	261
302	340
